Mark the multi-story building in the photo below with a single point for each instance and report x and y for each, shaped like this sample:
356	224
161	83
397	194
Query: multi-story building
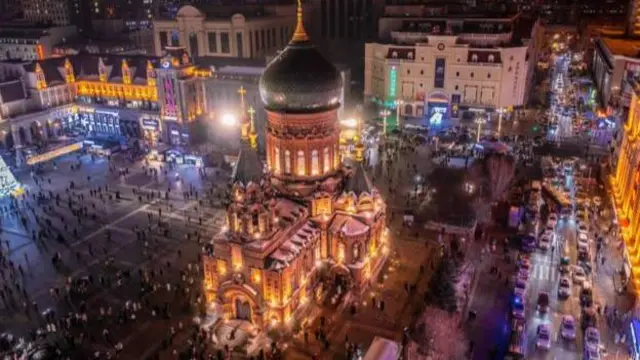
615	65
309	227
28	41
626	189
81	16
56	12
247	32
150	98
454	63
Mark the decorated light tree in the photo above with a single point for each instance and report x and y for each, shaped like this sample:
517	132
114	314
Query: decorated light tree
8	183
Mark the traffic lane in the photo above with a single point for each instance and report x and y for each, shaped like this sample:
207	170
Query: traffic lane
543	279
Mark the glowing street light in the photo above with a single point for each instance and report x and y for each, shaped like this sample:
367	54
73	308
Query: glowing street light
398	103
229	120
384	113
480	121
501	111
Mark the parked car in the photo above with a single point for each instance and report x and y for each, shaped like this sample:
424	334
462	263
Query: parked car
568	328
521	288
517	308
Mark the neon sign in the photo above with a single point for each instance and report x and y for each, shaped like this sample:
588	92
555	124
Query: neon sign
392	82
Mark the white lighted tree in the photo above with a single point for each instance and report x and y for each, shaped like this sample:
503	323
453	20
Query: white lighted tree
438	335
8	182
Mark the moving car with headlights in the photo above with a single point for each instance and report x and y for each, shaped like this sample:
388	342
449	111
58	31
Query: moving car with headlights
586	295
592	339
564	267
543	340
578	275
564	288
568	328
543	302
544	242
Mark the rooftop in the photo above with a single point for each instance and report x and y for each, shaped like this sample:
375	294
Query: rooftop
622	46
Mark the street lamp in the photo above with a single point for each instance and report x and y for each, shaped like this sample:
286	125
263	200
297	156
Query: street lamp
384	113
398	103
480	121
229	120
501	111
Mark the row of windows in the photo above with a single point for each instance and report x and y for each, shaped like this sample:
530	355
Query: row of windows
471	74
301	163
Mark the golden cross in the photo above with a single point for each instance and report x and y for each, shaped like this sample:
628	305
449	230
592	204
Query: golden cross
242	91
251	112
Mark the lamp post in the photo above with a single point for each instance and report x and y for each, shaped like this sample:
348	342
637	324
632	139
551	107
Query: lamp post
480	121
501	111
384	113
398	103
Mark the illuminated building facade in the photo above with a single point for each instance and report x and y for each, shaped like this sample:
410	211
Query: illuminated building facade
307	228
435	60
150	98
238	32
28	41
626	189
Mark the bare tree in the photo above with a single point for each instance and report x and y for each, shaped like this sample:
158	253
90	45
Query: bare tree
438	336
494	174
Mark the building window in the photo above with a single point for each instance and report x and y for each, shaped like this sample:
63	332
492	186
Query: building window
315	163
301	169
257	36
457	73
273	37
263	40
421	72
164	40
225	47
356	252
326	162
276	164
250	45
408	72
213	42
239	44
474	58
491	58
287	162
175	38
457	87
268	41
471	74
488	76
193	44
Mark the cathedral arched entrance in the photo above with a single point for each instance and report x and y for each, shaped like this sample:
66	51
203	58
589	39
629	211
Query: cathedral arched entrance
9	143
240	303
340	282
242	309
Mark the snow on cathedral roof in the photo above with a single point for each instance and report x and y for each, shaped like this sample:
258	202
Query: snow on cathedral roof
292	247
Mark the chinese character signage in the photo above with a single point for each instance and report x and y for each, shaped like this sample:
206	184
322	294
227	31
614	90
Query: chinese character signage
438	81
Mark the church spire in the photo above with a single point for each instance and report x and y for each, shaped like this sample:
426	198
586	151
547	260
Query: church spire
253	135
300	34
359	144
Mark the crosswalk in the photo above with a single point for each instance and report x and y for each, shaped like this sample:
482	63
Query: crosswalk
544	271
